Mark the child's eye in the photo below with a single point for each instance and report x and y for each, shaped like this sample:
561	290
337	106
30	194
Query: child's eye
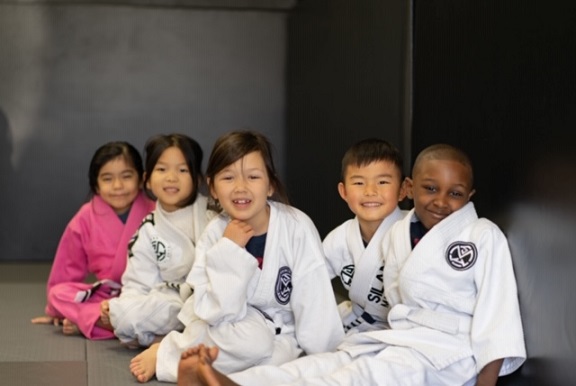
358	183
457	194
160	169
184	170
429	188
383	182
253	177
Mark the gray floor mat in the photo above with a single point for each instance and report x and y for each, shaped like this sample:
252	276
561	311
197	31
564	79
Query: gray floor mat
109	364
39	355
23	341
44	374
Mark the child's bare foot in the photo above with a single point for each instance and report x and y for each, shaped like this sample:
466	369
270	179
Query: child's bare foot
143	365
195	368
45	320
69	328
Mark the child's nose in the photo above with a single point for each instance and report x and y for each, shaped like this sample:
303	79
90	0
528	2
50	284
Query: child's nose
441	201
172	176
370	189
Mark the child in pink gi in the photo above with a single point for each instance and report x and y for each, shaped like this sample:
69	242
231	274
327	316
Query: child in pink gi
96	242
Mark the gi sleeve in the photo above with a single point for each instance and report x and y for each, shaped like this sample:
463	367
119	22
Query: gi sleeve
71	261
337	255
496	327
318	324
142	272
223	276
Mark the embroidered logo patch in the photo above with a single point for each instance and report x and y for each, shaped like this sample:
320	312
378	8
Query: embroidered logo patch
347	274
283	285
461	255
159	249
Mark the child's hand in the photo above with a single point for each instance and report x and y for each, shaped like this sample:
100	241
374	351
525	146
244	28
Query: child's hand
105	312
46	320
239	232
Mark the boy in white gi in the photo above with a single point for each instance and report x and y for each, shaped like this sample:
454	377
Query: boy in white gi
371	184
454	315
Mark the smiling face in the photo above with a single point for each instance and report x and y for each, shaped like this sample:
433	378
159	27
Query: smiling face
372	191
242	189
118	184
171	181
439	187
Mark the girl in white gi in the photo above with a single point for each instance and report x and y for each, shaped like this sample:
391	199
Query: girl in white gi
448	276
95	242
372	185
261	288
163	250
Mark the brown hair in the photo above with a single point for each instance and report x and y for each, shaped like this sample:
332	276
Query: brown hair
234	145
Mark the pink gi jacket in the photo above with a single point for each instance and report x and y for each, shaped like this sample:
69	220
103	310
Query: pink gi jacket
94	242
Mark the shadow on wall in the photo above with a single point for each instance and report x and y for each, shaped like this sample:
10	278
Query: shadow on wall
541	236
6	174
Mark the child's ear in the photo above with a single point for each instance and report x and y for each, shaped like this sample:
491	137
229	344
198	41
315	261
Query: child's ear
271	190
471	194
342	191
409	187
211	189
403	191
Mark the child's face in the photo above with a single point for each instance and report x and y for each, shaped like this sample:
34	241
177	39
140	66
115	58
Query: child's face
372	191
439	187
171	181
118	184
243	188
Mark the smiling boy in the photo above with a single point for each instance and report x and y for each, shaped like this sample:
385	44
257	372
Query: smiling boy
372	186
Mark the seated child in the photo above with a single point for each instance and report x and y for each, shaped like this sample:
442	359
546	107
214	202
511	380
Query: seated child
163	250
448	276
96	242
261	289
372	185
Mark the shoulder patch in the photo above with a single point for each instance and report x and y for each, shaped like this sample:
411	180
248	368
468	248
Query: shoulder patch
347	274
461	255
283	287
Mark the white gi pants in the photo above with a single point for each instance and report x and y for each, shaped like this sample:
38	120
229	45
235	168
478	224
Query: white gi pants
393	366
241	344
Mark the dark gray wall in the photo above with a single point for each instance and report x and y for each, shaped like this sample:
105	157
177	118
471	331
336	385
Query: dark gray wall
346	70
73	76
499	80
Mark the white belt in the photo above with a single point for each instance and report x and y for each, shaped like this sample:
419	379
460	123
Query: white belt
403	317
113	289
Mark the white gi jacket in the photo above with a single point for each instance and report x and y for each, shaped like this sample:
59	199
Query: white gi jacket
161	256
453	296
293	289
360	269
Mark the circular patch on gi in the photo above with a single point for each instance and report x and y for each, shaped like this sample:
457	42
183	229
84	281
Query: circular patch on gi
461	255
159	249
283	285
347	274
